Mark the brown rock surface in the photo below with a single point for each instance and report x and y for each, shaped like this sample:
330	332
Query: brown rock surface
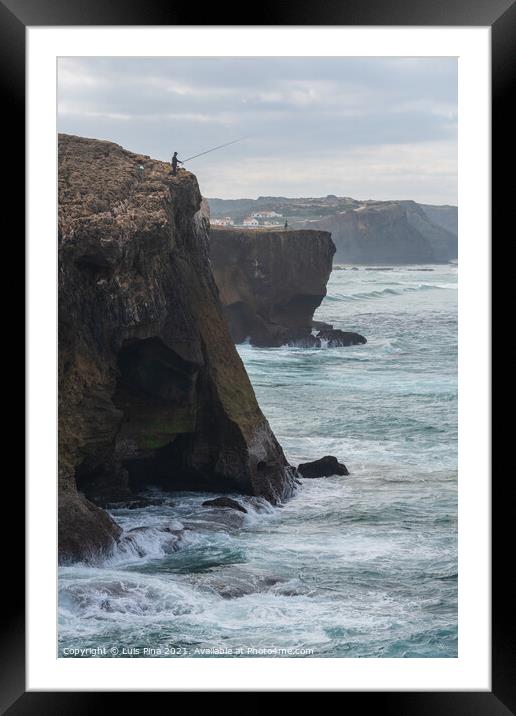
151	388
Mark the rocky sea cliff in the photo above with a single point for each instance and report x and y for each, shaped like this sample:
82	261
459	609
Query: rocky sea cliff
270	282
151	388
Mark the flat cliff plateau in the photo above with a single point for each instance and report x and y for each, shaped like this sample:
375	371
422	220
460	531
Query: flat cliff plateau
270	282
151	388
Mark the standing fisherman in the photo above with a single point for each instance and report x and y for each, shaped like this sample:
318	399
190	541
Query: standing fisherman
175	162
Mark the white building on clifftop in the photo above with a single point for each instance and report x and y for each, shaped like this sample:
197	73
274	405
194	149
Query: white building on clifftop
265	215
224	221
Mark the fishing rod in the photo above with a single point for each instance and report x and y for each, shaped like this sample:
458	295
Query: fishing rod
214	148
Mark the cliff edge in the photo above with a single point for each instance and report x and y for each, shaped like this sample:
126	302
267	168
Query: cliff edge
151	388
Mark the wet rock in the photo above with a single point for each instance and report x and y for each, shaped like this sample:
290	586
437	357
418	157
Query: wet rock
146	529
131	540
337	338
308	341
217	520
324	467
86	533
224	502
234	583
137	504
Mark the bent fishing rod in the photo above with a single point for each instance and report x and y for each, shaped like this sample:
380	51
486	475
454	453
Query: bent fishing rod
220	146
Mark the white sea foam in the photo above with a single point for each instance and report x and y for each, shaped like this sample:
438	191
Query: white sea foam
363	565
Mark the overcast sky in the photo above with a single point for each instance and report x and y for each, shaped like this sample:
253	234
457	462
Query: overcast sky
369	128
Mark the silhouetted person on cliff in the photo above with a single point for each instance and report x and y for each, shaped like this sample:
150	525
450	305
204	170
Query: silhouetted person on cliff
286	225
175	162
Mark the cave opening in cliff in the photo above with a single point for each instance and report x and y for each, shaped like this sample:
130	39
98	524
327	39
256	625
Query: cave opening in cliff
157	394
297	312
100	481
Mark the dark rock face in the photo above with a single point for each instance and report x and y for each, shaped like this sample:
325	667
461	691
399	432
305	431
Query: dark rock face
86	532
376	233
332	337
324	467
270	282
337	338
321	325
136	504
151	388
309	341
224	502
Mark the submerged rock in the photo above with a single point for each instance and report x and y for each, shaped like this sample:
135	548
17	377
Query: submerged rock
324	467
270	282
217	520
151	388
337	338
136	540
234	583
224	502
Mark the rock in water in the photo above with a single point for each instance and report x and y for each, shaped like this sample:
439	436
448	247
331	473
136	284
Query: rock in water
224	502
324	467
336	338
333	338
270	282
151	388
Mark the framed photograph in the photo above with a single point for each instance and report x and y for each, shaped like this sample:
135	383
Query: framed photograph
258	264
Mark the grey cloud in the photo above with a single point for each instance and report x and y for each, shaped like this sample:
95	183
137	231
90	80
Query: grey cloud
314	108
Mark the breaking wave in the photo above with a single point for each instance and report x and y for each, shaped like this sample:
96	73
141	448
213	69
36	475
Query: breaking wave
361	566
389	291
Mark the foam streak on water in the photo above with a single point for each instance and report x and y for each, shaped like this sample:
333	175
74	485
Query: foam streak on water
364	566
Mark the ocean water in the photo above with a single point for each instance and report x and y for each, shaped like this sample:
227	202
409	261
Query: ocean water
358	566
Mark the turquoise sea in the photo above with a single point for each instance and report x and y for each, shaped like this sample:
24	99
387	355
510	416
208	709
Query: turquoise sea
358	566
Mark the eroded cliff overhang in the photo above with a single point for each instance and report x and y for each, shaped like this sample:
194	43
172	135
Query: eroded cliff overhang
270	282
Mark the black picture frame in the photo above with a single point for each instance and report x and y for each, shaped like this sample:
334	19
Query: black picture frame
15	17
